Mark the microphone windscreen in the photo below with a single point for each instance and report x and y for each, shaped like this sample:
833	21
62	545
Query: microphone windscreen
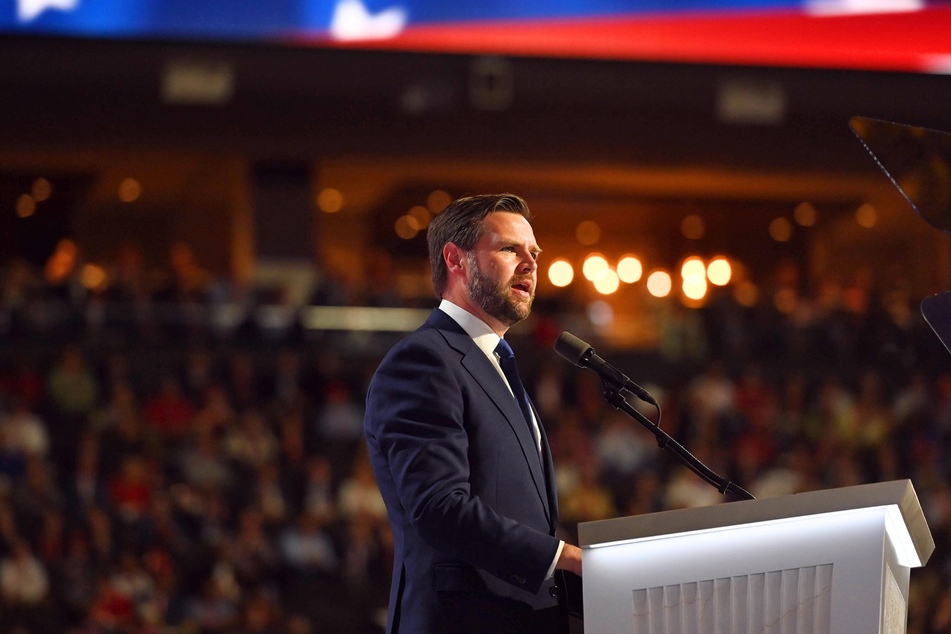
571	348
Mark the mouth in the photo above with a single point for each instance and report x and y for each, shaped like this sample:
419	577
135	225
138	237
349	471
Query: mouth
523	287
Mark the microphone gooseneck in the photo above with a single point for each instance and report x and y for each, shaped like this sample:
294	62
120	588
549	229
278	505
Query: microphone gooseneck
614	381
583	355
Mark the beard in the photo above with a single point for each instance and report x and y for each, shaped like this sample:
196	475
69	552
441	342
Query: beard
495	298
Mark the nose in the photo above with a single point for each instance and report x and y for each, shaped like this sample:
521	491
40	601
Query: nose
529	265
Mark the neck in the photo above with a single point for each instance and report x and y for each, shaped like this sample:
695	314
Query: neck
464	302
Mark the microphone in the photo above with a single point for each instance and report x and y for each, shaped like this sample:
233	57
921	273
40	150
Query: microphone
583	355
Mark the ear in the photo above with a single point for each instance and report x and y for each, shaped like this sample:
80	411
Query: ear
455	258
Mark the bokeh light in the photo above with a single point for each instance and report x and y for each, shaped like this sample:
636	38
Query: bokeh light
607	282
41	190
805	214
129	190
588	232
593	264
719	271
693	267
561	273
600	314
406	227
746	294
438	200
780	230
330	200
93	276
26	206
695	286
659	283
630	269
693	227
421	215
866	216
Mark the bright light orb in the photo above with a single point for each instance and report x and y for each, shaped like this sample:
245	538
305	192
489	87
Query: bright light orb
659	283
561	273
593	264
719	271
695	287
693	267
607	282
629	269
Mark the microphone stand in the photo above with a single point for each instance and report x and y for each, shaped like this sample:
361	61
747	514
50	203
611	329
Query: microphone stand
665	441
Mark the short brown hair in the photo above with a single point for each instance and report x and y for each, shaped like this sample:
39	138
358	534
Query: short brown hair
463	223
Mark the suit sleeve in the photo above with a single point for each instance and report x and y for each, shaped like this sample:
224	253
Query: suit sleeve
416	414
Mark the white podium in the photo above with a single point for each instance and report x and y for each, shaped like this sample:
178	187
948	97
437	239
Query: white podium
826	562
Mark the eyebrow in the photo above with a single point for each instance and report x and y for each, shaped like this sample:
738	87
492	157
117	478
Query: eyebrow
515	243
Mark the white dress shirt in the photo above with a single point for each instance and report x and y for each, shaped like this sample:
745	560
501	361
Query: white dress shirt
487	340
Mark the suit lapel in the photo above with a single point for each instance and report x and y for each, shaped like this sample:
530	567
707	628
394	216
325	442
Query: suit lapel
485	374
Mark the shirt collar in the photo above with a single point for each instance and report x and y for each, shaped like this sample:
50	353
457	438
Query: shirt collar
478	330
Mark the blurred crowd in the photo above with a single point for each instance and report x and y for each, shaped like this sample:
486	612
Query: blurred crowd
158	474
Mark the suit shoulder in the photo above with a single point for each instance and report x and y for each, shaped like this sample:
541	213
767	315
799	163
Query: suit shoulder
424	342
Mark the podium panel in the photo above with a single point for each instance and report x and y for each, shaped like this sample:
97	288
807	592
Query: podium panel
828	562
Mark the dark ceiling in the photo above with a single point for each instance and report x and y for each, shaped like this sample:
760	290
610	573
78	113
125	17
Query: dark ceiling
604	137
308	103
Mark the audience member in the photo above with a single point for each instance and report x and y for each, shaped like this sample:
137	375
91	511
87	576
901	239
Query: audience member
168	483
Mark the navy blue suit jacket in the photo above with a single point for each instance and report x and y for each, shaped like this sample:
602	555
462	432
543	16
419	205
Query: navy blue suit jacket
472	506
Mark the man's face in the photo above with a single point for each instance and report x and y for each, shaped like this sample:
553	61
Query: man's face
503	269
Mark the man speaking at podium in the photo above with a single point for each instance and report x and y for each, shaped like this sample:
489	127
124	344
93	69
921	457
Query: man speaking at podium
459	453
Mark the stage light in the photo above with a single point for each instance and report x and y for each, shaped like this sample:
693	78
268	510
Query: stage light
330	200
42	189
692	227
406	227
780	230
659	283
785	301
692	267
561	273
93	276
600	313
588	232
421	215
746	294
629	269
805	214
25	206
719	271
695	287
866	216
593	264
607	282
129	190
438	200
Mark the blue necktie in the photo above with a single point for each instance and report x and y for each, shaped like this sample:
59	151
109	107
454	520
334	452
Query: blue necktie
510	370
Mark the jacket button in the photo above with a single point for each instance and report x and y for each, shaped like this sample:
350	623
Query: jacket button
553	591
